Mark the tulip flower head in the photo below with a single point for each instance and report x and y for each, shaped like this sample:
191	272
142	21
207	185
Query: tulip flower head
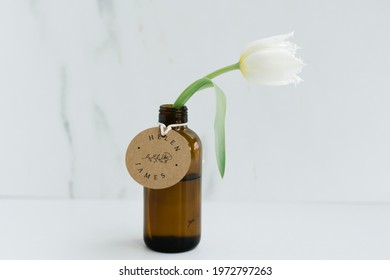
269	61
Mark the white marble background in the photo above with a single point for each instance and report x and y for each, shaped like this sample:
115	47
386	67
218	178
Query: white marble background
79	79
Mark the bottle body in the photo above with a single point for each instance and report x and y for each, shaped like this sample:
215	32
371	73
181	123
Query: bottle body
172	216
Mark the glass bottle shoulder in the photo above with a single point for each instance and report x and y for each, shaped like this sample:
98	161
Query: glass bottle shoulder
192	138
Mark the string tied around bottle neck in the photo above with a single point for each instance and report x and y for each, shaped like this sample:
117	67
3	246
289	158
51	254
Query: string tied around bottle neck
164	129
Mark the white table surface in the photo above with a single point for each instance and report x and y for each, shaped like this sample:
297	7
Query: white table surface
112	229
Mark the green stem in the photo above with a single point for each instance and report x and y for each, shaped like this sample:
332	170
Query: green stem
202	84
228	68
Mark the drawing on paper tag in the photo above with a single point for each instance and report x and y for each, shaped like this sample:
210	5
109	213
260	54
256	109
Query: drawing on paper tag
157	161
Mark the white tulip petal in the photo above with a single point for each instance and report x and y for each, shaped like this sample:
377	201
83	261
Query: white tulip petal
271	61
265	43
272	66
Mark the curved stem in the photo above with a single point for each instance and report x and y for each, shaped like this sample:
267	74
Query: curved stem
190	90
228	68
202	84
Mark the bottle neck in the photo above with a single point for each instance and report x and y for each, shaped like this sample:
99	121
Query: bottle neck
169	115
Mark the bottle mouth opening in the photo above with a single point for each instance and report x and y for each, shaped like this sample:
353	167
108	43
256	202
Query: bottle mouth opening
166	106
170	106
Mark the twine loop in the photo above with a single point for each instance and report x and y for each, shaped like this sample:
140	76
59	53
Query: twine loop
164	130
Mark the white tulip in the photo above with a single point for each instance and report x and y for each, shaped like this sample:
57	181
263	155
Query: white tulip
271	61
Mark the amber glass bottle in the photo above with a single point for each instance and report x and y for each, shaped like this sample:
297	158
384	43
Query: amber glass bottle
172	216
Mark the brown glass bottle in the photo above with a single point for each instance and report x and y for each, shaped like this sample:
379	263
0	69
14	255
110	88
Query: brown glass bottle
172	216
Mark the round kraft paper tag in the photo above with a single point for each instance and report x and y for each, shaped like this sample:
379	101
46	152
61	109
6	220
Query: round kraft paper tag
157	161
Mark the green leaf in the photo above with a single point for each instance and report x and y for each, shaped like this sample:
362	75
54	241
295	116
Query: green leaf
191	89
219	129
219	122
